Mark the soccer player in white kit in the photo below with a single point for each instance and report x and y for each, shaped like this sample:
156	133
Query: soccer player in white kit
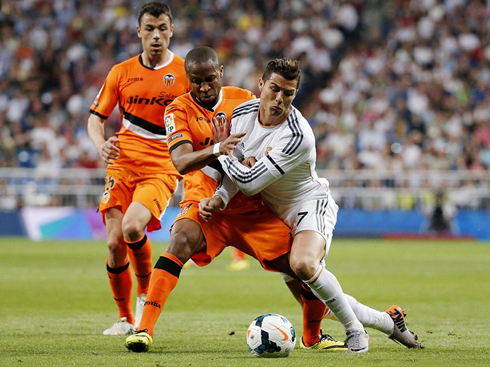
279	157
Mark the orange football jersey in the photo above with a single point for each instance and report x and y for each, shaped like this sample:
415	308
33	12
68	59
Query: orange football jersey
189	122
142	93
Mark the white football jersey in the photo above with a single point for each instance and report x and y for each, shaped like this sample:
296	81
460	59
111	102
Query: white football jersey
285	170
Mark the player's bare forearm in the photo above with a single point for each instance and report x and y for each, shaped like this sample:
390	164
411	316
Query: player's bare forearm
187	160
107	149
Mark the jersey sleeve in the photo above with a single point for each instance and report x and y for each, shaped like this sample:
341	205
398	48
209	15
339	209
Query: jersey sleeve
291	151
226	190
108	96
177	126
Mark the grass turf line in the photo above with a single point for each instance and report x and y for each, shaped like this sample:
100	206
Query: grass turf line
55	301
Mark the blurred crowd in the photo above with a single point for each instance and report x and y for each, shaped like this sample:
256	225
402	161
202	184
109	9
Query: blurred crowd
415	94
56	55
387	85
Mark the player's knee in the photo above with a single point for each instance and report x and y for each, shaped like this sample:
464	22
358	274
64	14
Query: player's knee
132	231
113	243
303	267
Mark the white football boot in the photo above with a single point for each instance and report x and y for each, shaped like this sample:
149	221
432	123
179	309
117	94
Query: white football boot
121	327
357	341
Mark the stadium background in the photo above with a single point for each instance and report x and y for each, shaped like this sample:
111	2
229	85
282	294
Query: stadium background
397	93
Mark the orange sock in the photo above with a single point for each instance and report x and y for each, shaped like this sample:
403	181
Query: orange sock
121	282
313	312
238	255
163	280
140	255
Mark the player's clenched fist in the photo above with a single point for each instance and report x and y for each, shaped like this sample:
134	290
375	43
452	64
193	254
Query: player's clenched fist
109	151
208	206
249	162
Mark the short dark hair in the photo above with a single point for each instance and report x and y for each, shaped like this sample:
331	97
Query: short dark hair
200	55
155	9
287	68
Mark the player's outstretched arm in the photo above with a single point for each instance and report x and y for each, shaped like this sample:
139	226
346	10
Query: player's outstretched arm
107	149
186	159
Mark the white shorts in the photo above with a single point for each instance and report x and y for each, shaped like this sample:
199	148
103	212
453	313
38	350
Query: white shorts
319	215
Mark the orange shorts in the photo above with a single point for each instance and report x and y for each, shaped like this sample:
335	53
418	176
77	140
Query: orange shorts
153	190
258	233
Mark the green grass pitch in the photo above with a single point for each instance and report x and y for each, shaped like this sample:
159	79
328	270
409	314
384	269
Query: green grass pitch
55	302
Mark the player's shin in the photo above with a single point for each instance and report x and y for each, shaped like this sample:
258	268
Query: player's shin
313	311
371	318
140	255
121	282
163	280
327	288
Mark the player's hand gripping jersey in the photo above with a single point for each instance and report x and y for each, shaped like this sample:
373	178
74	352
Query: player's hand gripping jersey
143	94
284	173
189	122
285	170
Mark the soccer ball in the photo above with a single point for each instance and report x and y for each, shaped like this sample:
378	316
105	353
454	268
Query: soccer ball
271	335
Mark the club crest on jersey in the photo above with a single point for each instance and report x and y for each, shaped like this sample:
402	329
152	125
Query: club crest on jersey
105	197
184	210
168	80
268	150
221	118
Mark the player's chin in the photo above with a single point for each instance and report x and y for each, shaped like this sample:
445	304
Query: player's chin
207	99
156	52
276	112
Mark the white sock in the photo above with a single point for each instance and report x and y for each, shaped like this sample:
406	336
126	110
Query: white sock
371	318
327	288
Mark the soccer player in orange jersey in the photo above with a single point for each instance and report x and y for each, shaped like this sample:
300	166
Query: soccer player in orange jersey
195	142
141	178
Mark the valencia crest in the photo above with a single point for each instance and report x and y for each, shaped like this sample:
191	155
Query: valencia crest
168	80
221	118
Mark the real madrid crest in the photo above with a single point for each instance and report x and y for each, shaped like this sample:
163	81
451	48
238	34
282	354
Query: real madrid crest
221	118
168	80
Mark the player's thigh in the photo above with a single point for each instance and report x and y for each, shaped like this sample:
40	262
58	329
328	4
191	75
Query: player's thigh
308	247
318	216
186	239
259	233
136	217
155	192
212	234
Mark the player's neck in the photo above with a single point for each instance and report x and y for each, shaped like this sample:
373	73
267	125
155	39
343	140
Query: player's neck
267	120
155	61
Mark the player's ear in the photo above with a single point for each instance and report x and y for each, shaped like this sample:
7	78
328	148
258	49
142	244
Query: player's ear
172	30
221	68
138	31
261	84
